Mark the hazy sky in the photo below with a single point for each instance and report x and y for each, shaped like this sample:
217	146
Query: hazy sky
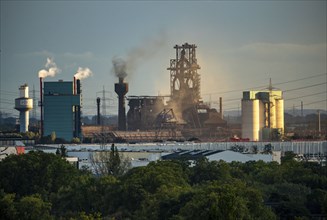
241	44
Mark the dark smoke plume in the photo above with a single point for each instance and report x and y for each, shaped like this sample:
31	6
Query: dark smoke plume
119	67
137	55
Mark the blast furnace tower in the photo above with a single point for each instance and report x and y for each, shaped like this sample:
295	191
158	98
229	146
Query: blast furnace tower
23	104
184	78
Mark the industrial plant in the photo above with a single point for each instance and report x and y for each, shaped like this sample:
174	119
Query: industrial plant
181	115
184	109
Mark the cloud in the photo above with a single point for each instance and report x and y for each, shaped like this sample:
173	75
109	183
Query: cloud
42	53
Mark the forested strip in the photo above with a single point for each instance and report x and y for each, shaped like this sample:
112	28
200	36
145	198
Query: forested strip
38	185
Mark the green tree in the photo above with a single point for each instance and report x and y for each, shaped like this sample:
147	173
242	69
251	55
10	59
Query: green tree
33	207
7	206
76	140
109	162
86	194
206	171
288	156
53	137
62	151
142	186
216	200
35	172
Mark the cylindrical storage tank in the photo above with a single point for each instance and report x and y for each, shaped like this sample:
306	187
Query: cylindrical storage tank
250	119
261	118
272	113
280	114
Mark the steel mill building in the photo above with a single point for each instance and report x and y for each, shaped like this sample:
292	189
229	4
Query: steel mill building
62	109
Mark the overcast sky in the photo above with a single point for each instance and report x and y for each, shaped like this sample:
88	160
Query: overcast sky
241	44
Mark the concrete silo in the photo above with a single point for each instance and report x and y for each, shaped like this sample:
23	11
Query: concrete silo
250	119
262	115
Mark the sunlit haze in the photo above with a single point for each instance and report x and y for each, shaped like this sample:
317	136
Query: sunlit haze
240	46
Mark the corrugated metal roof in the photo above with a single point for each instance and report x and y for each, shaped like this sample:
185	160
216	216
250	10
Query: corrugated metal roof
216	155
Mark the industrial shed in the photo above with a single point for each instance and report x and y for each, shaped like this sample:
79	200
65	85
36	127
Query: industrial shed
227	155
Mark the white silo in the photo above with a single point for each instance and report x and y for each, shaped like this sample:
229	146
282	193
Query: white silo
262	112
280	114
261	118
272	113
250	119
23	104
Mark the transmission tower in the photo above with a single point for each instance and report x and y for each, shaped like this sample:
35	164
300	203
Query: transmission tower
104	108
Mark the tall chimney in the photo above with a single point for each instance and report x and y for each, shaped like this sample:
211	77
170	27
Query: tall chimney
74	86
98	111
121	89
41	107
78	129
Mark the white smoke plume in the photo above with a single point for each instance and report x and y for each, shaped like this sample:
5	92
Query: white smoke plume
51	69
137	55
83	73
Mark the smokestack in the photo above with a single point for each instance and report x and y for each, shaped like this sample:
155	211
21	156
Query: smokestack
41	107
78	129
98	111
121	89
74	85
221	107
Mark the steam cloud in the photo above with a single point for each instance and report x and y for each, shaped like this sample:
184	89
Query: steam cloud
137	55
83	73
119	66
51	69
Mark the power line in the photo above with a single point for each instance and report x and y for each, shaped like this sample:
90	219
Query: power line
305	87
263	86
299	97
296	80
320	101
